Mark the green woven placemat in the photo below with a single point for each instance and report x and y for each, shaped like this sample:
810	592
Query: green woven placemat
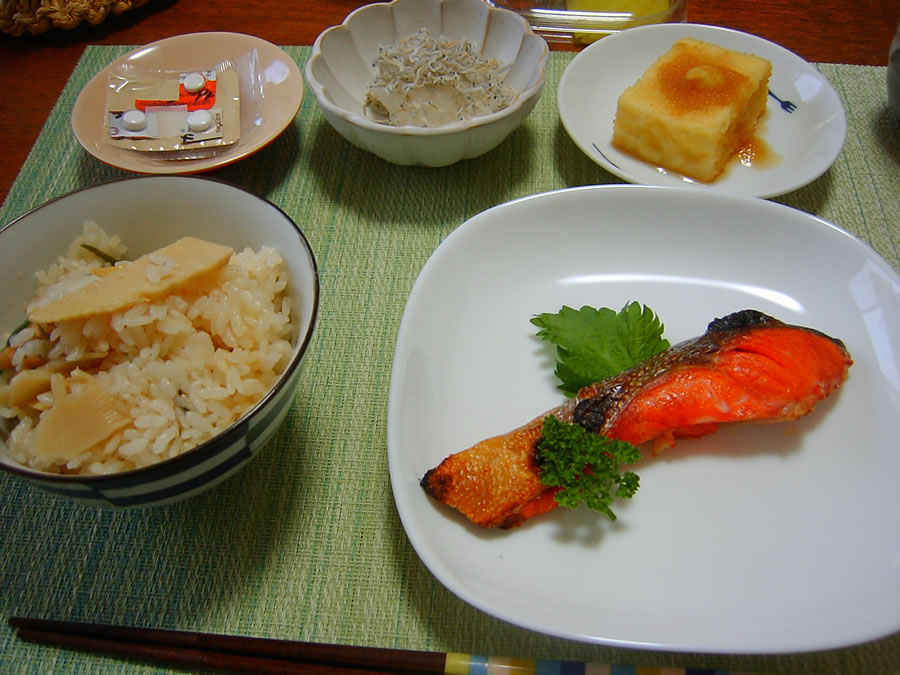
306	543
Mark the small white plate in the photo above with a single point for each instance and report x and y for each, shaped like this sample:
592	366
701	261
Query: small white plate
758	538
805	142
282	86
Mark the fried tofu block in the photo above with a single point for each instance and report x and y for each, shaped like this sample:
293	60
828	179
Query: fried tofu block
693	109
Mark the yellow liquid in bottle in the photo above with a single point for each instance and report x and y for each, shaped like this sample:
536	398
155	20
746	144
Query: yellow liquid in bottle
637	9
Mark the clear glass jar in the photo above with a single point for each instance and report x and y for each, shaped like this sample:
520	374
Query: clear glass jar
893	73
584	21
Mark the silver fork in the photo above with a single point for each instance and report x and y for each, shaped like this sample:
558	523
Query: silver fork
787	106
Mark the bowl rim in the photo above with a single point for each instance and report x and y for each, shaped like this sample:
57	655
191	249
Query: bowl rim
299	349
361	121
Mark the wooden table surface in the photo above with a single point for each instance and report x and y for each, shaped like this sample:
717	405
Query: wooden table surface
33	69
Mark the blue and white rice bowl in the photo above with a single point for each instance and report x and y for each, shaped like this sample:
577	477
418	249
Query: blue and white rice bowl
148	213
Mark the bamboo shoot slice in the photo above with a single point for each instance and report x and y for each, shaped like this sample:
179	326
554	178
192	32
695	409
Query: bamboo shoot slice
27	384
150	276
77	420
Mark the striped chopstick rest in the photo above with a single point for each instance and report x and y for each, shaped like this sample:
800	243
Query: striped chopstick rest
470	664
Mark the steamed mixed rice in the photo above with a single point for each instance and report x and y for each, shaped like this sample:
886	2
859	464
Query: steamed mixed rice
179	368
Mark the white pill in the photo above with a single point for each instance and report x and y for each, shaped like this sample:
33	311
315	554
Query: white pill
134	120
194	82
199	120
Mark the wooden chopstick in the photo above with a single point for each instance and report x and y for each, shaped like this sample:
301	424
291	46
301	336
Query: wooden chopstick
266	655
225	652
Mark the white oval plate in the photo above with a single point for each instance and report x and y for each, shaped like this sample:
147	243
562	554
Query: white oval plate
282	86
759	538
806	141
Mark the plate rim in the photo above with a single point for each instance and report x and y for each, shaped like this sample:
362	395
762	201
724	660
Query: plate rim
399	472
181	167
691	30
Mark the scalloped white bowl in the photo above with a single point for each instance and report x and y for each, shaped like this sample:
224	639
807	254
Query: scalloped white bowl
341	69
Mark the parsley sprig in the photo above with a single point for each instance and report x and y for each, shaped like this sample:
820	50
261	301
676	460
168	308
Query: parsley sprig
592	345
586	466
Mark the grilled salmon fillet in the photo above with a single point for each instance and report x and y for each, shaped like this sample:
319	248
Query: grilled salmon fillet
746	367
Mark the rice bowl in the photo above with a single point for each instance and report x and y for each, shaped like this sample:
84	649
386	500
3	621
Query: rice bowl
185	366
203	375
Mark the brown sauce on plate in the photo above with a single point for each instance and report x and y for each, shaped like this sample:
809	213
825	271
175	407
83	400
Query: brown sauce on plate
757	154
754	152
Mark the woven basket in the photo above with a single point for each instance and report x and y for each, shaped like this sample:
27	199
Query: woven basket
39	16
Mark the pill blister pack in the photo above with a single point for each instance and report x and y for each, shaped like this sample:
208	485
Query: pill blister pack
190	117
181	114
165	123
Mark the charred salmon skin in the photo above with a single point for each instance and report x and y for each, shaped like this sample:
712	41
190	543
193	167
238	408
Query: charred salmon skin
746	367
